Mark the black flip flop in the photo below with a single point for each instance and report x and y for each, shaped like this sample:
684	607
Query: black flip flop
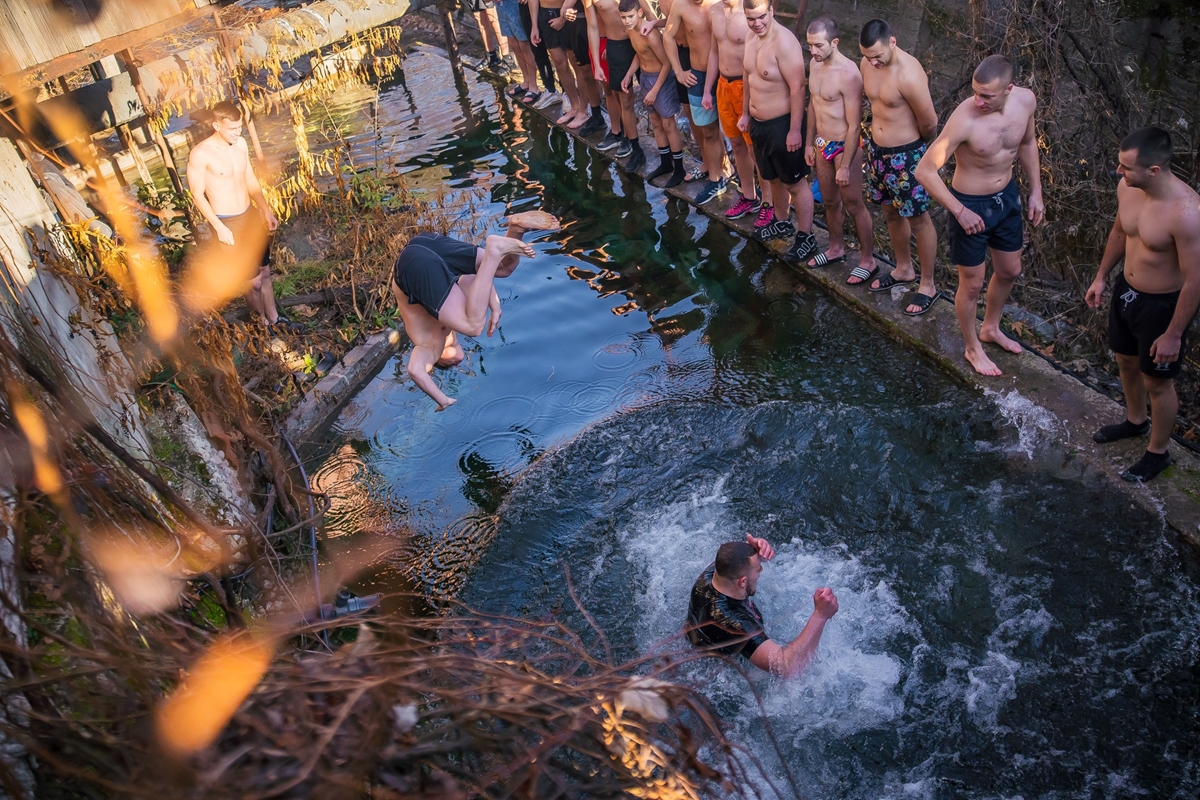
889	280
922	301
823	260
864	276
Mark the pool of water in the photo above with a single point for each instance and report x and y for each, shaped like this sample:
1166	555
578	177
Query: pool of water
658	386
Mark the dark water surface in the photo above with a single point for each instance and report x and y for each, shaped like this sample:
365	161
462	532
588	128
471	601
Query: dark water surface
1002	633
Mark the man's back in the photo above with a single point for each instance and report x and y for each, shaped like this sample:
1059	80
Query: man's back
726	624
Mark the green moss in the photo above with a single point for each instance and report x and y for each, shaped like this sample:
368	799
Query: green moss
302	277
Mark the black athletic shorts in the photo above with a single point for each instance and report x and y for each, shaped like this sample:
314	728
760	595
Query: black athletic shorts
249	230
575	38
1005	231
429	266
620	59
551	38
775	162
475	6
685	57
1136	319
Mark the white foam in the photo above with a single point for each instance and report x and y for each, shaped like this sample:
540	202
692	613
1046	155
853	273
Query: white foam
1034	425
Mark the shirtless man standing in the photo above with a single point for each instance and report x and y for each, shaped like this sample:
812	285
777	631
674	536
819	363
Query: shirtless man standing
725	64
660	91
836	89
547	27
902	125
773	113
444	287
612	56
227	192
692	16
985	134
1157	233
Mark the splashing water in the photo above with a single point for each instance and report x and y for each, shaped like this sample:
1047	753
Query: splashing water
1033	424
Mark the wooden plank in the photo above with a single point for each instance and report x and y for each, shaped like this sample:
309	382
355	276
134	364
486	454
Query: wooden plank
65	64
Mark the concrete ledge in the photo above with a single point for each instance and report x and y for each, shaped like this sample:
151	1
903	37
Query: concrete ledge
1070	410
321	405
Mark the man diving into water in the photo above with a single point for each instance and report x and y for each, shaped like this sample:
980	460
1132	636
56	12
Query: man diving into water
723	618
444	287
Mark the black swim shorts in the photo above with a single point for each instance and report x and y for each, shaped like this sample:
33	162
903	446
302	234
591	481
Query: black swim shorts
775	161
1135	320
685	57
620	59
1004	231
552	39
574	37
429	266
249	231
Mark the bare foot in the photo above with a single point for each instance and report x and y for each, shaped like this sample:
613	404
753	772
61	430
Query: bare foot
443	406
532	221
830	254
565	118
982	364
997	337
503	246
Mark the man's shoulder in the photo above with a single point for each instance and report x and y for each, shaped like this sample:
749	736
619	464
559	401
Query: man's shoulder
1186	209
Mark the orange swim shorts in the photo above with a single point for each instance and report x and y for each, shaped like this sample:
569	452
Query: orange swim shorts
730	98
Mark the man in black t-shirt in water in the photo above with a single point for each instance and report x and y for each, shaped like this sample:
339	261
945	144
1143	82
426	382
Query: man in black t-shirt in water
723	618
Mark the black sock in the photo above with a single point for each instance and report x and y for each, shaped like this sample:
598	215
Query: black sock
665	166
677	173
633	140
1122	430
1148	467
595	111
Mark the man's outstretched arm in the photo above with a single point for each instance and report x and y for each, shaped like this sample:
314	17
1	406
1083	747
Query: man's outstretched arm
790	660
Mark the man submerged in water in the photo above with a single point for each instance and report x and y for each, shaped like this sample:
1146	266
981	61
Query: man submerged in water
723	618
444	287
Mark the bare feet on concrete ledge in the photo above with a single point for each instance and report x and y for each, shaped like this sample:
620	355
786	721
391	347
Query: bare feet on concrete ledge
532	221
996	336
982	364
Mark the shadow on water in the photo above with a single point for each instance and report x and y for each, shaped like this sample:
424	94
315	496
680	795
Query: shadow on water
1002	633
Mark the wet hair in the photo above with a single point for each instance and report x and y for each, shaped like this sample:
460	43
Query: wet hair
733	558
625	6
874	32
226	111
994	68
824	25
1152	144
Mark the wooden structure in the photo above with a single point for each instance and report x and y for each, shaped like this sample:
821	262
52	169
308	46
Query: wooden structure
42	40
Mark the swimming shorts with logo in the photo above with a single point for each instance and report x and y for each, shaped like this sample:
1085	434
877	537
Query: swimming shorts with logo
1004	228
667	101
1136	319
891	177
775	162
830	150
429	266
620	58
723	623
700	115
552	39
730	97
509	12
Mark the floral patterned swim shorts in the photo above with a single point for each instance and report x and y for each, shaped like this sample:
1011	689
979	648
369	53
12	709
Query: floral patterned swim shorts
891	177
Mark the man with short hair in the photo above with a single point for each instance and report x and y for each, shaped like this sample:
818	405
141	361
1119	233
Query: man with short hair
692	17
723	618
1157	233
660	91
903	122
228	195
836	88
574	34
985	134
725	65
774	114
612	56
444	287
548	23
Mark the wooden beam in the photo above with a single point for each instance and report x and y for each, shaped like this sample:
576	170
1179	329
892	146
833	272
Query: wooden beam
66	64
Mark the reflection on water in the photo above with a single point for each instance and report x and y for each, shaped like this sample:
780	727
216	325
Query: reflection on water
1001	633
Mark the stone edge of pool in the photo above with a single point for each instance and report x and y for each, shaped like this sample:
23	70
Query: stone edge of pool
1079	410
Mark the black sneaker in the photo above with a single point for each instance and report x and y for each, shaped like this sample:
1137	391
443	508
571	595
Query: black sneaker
624	149
1148	468
710	191
779	229
610	141
804	248
593	125
637	160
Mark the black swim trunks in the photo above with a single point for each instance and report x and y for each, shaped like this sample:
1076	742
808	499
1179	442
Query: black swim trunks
429	266
1136	319
685	57
775	162
620	59
249	231
1005	231
552	39
725	624
574	37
